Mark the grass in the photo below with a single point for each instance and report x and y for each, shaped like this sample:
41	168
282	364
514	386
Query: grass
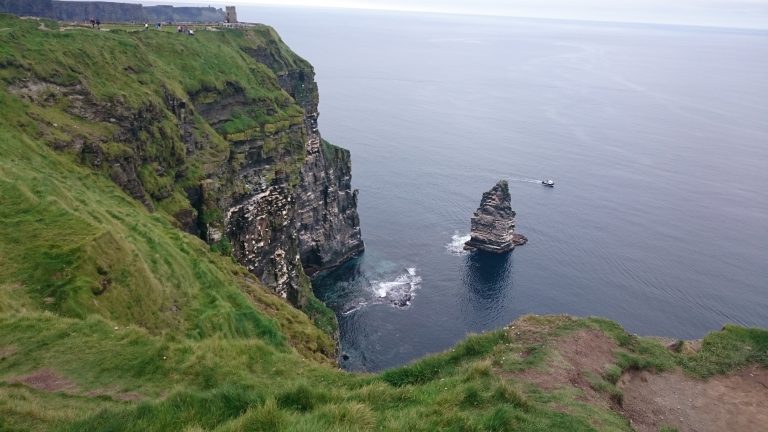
727	350
156	330
605	386
136	71
432	367
139	91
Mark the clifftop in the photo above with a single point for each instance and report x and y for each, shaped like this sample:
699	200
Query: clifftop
218	131
109	11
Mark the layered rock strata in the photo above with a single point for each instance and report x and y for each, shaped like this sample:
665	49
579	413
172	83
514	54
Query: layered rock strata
292	211
236	157
493	224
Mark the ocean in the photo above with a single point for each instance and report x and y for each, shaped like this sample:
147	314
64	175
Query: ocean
656	137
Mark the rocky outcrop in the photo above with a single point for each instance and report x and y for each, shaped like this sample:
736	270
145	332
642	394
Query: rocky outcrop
284	200
493	224
260	231
235	156
326	223
328	226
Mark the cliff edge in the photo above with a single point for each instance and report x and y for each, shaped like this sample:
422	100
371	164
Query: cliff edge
109	11
218	131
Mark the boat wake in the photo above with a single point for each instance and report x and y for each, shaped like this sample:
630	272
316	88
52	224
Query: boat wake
522	179
456	245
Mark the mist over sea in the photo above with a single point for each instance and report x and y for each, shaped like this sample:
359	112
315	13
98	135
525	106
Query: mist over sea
656	136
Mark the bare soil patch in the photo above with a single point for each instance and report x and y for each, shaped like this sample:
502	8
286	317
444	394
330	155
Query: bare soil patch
7	351
735	402
47	380
574	355
51	381
116	394
571	359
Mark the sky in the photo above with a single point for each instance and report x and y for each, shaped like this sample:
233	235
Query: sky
721	13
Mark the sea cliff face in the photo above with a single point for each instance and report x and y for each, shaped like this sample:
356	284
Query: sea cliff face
218	131
289	212
286	198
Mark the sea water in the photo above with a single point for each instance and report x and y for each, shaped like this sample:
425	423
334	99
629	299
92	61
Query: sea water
656	136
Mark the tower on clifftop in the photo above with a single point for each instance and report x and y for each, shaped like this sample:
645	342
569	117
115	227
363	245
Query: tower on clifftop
231	15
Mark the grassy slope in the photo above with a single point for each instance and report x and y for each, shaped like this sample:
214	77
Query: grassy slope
202	347
135	70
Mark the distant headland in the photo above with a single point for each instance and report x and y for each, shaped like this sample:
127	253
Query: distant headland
115	12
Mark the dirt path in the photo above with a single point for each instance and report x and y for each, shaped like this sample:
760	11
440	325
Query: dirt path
572	358
47	380
577	353
51	381
736	402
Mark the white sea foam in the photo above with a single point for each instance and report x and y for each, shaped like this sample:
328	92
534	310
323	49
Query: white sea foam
456	245
522	179
398	290
355	308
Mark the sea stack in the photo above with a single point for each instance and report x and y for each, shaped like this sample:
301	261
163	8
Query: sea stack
493	224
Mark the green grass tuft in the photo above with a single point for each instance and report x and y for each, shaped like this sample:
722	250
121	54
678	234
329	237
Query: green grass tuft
302	397
727	350
430	368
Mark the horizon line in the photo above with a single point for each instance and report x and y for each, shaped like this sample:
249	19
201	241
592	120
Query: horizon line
451	12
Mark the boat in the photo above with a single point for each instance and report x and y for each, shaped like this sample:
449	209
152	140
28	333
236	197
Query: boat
548	183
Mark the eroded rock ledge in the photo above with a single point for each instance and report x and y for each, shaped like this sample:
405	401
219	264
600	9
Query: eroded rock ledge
235	156
493	224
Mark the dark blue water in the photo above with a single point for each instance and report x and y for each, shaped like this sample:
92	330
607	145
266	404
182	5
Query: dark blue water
656	136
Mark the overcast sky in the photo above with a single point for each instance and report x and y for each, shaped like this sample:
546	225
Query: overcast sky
729	13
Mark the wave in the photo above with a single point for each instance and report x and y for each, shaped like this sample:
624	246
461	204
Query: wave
354	308
400	290
456	245
397	289
522	179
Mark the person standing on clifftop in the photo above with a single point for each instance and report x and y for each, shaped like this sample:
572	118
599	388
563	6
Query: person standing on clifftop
98	23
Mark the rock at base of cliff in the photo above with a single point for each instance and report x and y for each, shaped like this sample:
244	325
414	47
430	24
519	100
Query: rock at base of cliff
493	224
519	239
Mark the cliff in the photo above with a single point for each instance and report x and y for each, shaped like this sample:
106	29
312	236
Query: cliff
222	135
109	11
287	201
114	318
182	14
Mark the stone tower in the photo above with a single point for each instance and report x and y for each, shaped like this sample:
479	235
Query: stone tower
493	224
231	15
